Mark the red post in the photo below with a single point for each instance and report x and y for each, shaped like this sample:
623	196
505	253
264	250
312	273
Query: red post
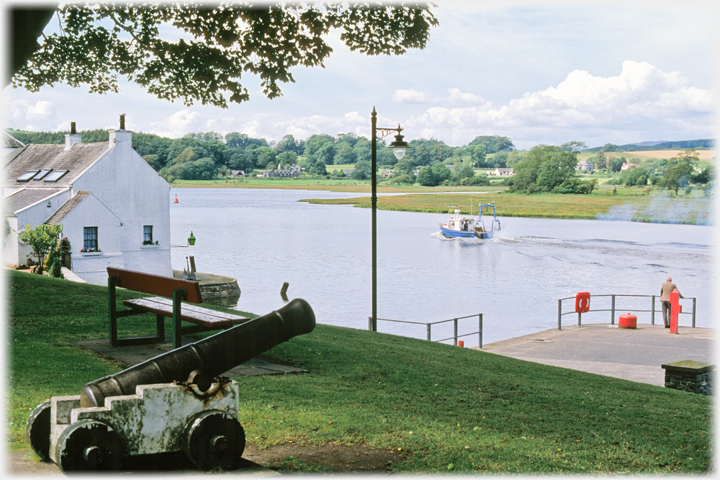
675	309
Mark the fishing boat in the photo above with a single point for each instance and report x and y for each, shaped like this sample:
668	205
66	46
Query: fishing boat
461	226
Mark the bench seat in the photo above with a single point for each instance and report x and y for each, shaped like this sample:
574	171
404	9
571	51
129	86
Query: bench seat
174	292
204	317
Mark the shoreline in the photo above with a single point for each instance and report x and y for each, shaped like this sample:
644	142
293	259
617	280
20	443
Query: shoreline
642	206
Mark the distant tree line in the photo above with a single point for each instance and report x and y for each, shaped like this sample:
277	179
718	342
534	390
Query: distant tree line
207	155
204	155
644	146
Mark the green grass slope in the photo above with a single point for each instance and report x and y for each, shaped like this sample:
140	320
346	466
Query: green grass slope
446	408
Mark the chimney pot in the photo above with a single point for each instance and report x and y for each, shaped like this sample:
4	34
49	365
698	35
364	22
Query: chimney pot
122	121
72	128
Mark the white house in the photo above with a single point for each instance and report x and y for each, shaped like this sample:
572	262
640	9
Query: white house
114	208
585	166
500	172
628	166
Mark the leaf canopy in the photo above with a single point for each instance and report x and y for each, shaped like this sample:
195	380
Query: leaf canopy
212	46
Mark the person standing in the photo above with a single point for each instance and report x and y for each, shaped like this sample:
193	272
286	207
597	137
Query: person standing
665	291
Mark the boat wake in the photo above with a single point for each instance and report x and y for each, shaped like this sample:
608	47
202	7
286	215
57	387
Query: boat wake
472	240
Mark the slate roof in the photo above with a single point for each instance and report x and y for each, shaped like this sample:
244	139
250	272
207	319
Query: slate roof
8	141
36	157
68	207
26	197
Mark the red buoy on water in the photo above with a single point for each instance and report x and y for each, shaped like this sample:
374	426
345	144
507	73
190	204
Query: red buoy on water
176	200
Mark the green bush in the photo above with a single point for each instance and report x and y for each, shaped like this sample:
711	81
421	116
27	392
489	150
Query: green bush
575	185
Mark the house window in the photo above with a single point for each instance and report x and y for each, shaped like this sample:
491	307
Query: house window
90	239
147	235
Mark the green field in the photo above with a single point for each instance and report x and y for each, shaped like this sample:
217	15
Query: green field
644	208
440	408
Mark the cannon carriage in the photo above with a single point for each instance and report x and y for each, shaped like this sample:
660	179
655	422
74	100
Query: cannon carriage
175	402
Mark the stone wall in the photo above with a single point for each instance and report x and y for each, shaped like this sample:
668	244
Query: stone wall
228	289
690	376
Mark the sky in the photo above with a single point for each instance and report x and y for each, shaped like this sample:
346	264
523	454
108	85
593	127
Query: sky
536	72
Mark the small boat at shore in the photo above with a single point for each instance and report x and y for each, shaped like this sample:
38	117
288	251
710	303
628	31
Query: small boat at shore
461	226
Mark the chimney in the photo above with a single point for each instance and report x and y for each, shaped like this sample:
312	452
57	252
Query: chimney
121	135
72	138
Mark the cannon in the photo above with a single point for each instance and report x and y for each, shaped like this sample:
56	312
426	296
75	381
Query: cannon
175	402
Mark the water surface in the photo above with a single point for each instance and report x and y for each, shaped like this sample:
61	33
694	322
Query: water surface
266	237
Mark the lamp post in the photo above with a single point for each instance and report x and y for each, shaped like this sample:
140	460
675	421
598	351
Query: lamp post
398	147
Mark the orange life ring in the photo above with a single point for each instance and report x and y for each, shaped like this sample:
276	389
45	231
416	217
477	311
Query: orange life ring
582	302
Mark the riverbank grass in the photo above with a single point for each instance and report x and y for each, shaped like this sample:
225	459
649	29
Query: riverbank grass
627	205
441	408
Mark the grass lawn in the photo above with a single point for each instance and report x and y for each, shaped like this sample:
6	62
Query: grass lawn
446	408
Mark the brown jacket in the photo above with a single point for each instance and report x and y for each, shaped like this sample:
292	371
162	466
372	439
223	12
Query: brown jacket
665	291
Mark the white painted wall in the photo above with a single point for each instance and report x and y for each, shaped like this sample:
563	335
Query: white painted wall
136	195
92	213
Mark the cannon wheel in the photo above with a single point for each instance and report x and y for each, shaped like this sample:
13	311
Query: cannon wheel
88	445
214	439
37	431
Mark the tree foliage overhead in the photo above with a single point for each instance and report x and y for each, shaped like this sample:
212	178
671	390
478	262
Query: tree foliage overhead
217	45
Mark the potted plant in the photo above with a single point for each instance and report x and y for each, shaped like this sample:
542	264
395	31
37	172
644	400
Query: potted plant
64	245
64	250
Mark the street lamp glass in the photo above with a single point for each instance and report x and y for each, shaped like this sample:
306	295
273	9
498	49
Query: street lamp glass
399	152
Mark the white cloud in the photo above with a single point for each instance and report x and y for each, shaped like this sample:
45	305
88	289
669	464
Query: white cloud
641	102
178	124
38	116
41	110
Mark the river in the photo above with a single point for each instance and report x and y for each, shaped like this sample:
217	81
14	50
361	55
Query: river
267	237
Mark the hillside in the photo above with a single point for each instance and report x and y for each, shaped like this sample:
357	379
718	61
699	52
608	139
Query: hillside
657	145
430	407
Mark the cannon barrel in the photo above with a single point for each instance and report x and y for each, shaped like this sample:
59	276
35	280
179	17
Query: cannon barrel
211	356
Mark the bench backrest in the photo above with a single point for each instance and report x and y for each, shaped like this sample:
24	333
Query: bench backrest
155	284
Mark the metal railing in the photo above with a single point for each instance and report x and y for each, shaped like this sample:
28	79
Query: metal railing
614	308
429	326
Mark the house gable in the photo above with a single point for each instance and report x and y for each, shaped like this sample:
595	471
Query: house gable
68	207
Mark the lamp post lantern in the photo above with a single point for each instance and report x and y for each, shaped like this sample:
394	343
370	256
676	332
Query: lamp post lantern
399	146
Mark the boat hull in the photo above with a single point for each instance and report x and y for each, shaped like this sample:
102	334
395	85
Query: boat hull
457	233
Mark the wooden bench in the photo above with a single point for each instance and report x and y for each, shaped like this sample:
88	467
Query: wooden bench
171	291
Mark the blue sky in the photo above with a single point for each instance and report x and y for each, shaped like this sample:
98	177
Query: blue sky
537	72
